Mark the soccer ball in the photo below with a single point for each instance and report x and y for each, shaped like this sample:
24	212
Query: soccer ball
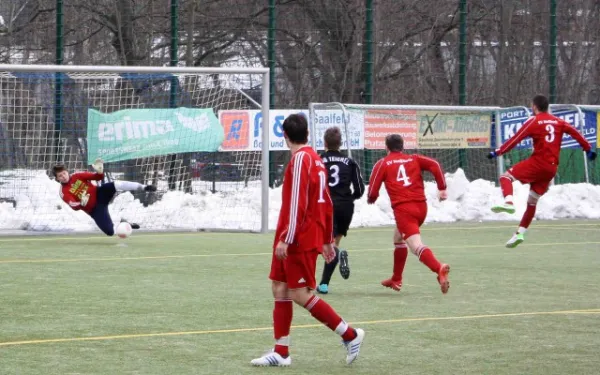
124	229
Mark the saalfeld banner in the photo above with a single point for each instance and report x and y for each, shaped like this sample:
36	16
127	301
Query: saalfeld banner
137	133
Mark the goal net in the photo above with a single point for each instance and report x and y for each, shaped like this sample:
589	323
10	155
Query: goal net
157	126
458	137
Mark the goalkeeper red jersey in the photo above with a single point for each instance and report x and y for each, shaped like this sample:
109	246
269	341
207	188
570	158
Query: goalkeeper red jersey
78	185
401	174
306	216
547	133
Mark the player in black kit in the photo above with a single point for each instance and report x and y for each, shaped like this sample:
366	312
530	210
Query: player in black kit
343	172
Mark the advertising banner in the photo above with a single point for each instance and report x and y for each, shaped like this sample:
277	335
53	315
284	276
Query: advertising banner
453	130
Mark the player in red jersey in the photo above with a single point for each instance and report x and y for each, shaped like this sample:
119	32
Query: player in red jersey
304	230
401	174
540	168
80	193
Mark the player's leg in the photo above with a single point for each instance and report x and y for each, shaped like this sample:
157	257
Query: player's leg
102	218
328	269
426	256
133	186
105	194
347	213
506	185
342	214
518	237
282	318
300	268
525	172
400	255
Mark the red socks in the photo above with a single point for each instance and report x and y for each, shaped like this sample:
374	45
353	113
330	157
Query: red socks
506	186
400	255
427	258
282	321
528	216
324	313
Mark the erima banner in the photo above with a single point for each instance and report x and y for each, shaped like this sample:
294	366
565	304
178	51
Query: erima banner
511	121
453	130
137	133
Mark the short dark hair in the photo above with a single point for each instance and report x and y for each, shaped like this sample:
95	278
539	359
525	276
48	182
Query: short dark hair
394	142
296	128
333	138
541	102
58	168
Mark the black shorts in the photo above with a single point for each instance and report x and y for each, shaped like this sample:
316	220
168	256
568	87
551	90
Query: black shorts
342	217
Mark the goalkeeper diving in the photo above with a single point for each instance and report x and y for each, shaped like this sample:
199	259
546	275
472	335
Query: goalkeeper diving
78	191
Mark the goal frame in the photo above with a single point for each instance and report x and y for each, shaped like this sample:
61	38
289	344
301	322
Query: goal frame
263	105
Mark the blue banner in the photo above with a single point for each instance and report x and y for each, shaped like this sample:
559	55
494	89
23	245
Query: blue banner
512	120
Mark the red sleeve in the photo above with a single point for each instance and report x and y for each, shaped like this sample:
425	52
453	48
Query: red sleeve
70	199
517	138
299	202
431	165
577	136
87	176
377	177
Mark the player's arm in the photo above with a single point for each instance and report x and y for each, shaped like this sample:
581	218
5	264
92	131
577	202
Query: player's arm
358	184
299	201
71	200
513	141
570	130
377	177
87	176
433	167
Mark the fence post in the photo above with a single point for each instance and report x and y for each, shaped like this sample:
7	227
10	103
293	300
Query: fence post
462	71
552	54
58	79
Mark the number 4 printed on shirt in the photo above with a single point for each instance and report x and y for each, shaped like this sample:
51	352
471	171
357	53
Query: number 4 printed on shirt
402	176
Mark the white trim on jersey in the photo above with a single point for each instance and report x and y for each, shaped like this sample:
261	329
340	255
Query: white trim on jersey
378	165
296	172
527	123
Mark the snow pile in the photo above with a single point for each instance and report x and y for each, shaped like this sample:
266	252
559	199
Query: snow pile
34	204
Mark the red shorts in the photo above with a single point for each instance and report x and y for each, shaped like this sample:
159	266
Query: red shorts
537	174
409	217
297	270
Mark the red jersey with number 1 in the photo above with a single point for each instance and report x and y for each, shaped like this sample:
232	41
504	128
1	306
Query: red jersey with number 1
306	216
401	174
547	134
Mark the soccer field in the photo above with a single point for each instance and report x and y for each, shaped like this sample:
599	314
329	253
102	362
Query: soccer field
200	303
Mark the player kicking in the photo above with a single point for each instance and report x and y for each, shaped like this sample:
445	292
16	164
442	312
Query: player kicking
80	193
540	168
343	172
401	174
304	229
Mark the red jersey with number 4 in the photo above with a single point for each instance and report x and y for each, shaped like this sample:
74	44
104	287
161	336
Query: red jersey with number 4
401	174
78	185
547	134
306	216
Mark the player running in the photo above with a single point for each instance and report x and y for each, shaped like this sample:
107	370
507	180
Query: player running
540	168
401	174
80	193
304	230
343	172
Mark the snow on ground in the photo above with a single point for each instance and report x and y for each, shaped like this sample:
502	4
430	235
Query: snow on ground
39	207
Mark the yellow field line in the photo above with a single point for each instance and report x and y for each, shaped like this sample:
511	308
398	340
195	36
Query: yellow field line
380	229
255	329
156	257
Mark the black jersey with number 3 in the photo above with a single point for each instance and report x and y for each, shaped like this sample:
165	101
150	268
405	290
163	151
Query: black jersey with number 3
343	172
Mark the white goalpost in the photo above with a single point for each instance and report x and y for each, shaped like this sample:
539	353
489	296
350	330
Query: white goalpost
153	125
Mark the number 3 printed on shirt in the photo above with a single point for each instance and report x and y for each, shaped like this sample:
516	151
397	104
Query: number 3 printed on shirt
335	174
550	136
402	175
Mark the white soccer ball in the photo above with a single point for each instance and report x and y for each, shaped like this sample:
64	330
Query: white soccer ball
124	230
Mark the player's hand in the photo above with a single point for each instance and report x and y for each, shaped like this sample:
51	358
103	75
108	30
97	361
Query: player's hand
328	253
492	155
442	195
281	250
371	200
591	154
98	166
84	199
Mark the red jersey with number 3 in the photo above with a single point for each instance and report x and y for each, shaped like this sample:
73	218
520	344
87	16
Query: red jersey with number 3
547	133
306	216
401	174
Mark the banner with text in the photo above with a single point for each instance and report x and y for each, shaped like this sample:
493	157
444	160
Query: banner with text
453	129
237	123
511	121
381	122
137	133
